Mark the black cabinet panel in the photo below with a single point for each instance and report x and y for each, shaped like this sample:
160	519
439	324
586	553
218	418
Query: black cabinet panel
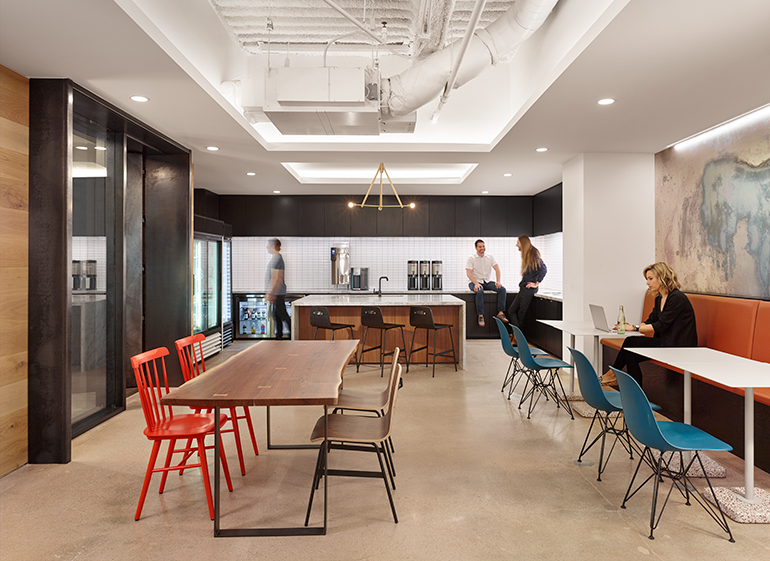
285	216
547	211
206	203
442	217
390	221
416	220
494	220
467	216
337	215
519	222
363	222
249	215
311	216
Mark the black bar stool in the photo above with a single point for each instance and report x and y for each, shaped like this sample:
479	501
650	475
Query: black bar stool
421	317
371	317
319	318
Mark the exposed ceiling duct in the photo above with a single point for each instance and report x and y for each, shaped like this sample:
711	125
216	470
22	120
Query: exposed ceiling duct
312	102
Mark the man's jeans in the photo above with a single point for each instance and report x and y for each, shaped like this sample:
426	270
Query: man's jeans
490	285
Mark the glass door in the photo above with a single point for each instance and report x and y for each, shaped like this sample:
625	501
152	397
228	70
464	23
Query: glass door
206	284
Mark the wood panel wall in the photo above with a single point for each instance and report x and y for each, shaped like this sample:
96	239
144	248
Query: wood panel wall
14	267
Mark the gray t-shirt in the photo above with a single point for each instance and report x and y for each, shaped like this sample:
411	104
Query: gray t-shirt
276	263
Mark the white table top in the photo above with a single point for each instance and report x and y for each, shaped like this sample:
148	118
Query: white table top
726	369
585	328
369	299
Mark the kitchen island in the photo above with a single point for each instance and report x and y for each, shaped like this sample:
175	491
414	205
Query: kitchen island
346	308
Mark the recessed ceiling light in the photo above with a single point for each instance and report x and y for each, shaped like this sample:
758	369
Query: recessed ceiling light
140	98
607	101
81	148
100	148
541	149
484	192
507	174
212	148
250	173
276	191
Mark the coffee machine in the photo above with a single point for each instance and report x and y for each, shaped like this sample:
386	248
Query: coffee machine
411	275
90	272
424	275
77	274
436	269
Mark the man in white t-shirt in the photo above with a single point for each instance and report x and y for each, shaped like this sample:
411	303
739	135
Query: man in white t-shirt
479	269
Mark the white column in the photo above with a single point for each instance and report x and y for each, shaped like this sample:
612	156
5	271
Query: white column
609	234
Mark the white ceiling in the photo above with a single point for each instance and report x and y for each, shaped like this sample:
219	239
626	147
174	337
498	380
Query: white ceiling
675	68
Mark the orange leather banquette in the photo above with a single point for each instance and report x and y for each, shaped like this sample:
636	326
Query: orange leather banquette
738	326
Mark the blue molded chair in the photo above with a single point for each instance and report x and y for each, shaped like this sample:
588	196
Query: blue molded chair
514	367
667	436
608	415
543	379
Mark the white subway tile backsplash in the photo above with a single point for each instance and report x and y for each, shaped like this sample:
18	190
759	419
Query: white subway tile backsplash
308	264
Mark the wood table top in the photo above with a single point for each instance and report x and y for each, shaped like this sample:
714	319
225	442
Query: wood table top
271	373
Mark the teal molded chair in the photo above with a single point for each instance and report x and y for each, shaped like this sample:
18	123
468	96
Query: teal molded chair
667	436
608	416
543	379
514	368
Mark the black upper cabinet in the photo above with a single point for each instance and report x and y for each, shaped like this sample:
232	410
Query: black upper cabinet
416	220
519	219
363	222
206	203
390	221
493	217
249	215
467	216
337	215
311	216
547	211
285	215
442	217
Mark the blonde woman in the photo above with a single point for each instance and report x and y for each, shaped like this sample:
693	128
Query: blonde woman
671	322
533	272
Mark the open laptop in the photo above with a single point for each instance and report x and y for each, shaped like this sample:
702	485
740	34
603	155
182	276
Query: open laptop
600	319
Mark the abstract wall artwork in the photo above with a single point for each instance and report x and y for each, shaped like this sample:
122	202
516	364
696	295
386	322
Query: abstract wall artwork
712	208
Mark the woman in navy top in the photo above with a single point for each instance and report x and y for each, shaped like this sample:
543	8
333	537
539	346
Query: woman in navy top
670	324
533	272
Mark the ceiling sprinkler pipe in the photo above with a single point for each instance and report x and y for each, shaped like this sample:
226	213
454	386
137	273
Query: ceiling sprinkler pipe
425	79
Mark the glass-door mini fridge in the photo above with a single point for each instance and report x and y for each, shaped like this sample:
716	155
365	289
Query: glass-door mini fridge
206	284
254	316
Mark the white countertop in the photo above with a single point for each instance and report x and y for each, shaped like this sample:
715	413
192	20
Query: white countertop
369	299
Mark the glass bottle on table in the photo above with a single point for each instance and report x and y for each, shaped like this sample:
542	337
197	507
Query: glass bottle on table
621	321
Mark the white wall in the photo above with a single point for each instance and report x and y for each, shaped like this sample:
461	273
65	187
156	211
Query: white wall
308	265
609	233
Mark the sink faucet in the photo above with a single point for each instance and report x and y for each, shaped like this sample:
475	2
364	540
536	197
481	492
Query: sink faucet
379	292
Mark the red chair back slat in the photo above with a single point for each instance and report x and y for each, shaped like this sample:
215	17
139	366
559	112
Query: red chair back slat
152	383
190	351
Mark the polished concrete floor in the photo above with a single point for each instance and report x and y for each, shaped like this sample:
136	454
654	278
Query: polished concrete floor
476	480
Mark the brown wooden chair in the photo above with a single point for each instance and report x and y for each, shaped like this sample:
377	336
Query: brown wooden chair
356	433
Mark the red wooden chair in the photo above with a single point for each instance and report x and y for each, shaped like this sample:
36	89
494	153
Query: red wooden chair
152	383
190	351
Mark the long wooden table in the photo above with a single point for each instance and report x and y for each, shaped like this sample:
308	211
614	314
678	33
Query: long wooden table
269	373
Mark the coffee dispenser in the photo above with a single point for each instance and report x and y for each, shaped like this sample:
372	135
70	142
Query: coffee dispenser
424	275
436	270
340	257
411	275
90	271
77	273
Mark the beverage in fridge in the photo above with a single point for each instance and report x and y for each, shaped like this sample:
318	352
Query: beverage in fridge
255	318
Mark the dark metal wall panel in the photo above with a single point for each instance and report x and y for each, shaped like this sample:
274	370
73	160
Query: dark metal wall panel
167	255
547	211
134	210
50	227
